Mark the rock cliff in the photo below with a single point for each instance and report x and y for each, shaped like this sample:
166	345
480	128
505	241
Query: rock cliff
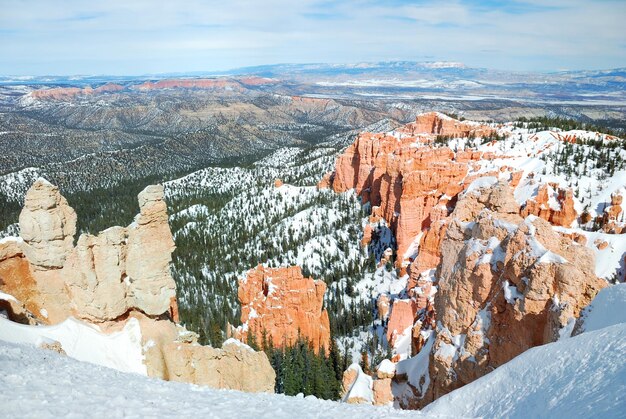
505	285
119	275
488	241
282	304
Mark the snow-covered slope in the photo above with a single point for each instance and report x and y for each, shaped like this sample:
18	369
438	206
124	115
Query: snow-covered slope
606	309
43	384
584	376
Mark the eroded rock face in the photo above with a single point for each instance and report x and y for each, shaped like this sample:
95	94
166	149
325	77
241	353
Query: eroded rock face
47	225
553	204
283	303
506	284
440	124
122	274
150	247
122	268
612	219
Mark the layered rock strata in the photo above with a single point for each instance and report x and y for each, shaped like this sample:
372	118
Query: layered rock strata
505	285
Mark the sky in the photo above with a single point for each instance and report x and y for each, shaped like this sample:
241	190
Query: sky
133	37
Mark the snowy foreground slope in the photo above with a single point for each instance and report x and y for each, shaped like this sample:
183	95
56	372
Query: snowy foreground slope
583	376
40	384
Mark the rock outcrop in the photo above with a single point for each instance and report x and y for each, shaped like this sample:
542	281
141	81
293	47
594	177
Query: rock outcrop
553	204
506	284
47	225
109	279
360	388
612	219
283	305
441	124
488	275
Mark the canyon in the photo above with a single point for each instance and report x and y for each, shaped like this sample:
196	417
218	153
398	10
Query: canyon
480	249
495	259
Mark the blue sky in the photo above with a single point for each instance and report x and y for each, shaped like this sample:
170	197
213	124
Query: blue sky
129	37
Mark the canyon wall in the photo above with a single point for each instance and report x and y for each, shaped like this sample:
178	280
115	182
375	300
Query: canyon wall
488	276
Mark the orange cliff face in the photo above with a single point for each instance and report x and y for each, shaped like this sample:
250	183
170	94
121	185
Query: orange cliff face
412	184
283	304
553	204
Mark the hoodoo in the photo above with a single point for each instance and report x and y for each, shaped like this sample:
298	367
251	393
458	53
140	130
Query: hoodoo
119	285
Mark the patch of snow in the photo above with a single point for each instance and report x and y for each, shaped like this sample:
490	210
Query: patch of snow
606	309
511	293
362	386
119	350
44	384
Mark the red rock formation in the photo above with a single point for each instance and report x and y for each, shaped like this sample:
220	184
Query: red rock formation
281	302
440	124
326	181
278	183
612	219
401	318
553	204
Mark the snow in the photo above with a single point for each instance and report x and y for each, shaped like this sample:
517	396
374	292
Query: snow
609	261
606	309
362	386
233	341
511	293
7	297
119	350
579	377
387	367
44	384
551	257
416	368
483	182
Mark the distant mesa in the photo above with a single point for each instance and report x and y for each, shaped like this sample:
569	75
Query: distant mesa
65	93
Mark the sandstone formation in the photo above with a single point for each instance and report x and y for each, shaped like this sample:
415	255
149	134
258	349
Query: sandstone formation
553	204
441	124
506	284
359	388
47	225
612	219
283	305
488	276
122	273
